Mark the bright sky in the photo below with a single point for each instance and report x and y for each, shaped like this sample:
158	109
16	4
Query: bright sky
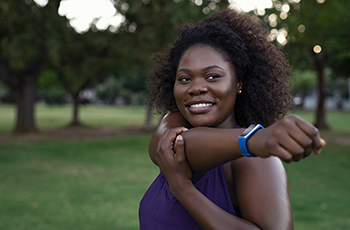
81	13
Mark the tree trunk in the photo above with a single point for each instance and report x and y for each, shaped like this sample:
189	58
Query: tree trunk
320	111
75	119
148	119
25	100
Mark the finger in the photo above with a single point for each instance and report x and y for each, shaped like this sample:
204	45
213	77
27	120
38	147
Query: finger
296	151
313	133
283	154
300	144
180	149
169	136
173	132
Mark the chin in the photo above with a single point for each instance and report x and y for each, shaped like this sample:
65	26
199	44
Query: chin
201	124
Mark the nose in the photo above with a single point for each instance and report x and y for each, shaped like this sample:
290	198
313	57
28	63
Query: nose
198	87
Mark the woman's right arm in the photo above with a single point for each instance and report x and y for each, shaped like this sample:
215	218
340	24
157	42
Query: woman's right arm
290	139
216	146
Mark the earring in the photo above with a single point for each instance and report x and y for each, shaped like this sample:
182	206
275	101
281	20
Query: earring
239	92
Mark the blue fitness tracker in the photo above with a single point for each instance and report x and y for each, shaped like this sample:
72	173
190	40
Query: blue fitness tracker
242	139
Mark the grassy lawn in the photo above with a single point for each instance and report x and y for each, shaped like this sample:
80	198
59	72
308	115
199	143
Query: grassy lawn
319	189
56	116
73	184
339	122
49	184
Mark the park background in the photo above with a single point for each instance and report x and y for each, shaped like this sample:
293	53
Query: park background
74	126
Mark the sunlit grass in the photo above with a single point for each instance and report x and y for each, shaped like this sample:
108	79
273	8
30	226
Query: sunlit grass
338	121
65	184
57	116
319	189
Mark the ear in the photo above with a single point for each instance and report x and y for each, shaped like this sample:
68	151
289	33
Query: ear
239	85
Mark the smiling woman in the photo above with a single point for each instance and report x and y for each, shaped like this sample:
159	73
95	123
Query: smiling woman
222	74
202	69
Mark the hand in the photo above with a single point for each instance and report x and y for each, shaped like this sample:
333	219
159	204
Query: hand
290	139
172	163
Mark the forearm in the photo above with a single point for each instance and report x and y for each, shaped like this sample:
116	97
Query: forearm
290	139
207	148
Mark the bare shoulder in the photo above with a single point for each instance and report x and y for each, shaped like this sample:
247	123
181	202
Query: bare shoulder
256	165
267	173
174	119
170	121
261	186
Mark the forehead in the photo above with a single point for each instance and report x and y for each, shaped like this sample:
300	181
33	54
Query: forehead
201	56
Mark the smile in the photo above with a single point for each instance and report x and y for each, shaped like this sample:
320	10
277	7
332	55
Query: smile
201	105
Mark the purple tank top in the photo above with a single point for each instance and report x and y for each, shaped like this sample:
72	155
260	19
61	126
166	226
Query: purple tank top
159	209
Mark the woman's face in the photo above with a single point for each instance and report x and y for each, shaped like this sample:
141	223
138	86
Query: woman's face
205	88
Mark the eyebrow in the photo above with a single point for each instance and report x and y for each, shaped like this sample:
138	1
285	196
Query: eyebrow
204	69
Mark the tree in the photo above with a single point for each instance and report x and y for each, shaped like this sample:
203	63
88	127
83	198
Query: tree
151	25
316	38
23	51
82	62
303	82
35	40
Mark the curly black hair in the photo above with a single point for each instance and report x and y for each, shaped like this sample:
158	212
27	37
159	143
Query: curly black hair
241	39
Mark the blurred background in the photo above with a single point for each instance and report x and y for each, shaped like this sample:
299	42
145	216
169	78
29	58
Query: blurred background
74	125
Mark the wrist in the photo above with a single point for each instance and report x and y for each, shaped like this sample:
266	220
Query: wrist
245	137
180	189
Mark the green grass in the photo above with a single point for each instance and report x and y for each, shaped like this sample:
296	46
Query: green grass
63	184
56	116
52	184
339	122
319	189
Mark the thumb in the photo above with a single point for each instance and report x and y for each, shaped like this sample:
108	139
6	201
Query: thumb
180	148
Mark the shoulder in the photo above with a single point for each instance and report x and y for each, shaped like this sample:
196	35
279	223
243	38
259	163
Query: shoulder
251	166
262	192
174	119
266	174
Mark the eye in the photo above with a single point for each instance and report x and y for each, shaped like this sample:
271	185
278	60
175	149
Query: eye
213	77
184	79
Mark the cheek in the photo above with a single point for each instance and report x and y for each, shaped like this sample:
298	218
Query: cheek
227	90
228	95
177	95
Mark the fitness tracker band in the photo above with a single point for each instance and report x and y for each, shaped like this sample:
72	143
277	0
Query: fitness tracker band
242	139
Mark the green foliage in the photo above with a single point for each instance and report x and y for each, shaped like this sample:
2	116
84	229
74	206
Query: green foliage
27	33
20	40
35	40
150	26
303	81
310	23
108	90
50	88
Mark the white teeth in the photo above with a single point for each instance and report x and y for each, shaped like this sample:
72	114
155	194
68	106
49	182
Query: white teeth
200	105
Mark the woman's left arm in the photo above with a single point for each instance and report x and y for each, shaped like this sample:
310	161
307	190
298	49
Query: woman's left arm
174	165
262	192
261	188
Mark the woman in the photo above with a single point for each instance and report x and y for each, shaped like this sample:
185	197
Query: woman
220	75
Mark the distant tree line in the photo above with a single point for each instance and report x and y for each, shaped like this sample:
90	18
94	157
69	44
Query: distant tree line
41	52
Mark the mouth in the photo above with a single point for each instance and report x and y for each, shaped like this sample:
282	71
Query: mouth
199	107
